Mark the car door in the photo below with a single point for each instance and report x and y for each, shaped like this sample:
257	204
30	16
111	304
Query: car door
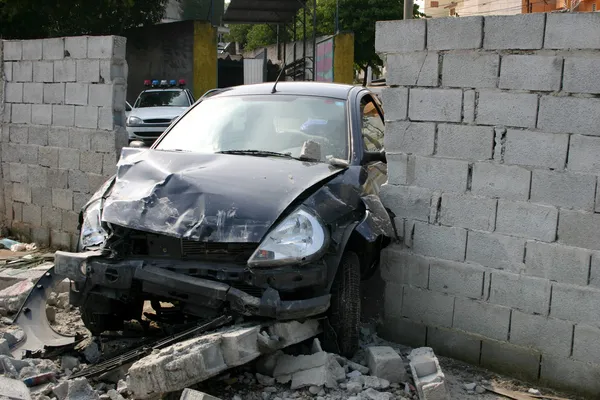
372	128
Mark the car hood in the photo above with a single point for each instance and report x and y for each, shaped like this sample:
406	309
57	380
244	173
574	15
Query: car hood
206	197
157	112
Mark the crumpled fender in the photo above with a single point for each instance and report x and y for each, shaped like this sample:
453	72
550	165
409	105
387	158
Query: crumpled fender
377	221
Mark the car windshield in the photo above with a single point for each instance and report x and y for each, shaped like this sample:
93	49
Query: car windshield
162	98
263	123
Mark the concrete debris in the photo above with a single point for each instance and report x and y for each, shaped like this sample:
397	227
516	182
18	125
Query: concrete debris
427	374
372	394
265	380
4	348
13	296
534	392
51	314
480	390
352	365
319	369
189	394
385	363
13	389
316	346
194	360
68	362
90	350
265	365
122	387
470	386
371	382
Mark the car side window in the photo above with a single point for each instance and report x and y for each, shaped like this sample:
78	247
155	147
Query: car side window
372	125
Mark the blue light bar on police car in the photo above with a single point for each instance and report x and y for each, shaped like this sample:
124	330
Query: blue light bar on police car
173	82
155	82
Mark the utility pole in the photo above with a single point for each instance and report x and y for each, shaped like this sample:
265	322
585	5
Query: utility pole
408	9
337	16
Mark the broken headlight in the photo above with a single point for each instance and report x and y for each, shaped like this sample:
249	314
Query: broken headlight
298	238
92	233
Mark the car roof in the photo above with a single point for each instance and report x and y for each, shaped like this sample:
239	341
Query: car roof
164	90
334	90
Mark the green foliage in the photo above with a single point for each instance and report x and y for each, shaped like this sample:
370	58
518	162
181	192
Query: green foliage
358	16
30	19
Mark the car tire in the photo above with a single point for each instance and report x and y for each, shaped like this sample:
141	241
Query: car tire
98	316
344	311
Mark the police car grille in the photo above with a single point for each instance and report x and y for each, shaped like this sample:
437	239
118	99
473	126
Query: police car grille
157	121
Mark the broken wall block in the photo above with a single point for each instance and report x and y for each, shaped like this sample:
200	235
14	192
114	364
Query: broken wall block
240	346
427	374
293	332
13	389
385	363
189	394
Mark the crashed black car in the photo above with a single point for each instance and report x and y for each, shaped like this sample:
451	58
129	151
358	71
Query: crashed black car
259	201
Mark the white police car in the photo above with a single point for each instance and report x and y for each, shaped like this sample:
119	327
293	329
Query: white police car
155	109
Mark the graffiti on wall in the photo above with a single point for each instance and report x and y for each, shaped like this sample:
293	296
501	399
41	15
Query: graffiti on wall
325	61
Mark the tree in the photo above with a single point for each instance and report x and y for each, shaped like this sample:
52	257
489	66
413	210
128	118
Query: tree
30	19
358	16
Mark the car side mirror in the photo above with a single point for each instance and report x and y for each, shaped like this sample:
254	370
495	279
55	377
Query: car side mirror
374	156
137	144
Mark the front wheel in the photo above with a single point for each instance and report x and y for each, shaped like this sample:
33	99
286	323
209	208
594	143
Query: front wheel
344	311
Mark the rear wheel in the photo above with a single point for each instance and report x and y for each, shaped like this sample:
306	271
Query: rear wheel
344	312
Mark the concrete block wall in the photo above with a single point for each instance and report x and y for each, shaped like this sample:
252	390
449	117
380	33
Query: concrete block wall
62	130
493	145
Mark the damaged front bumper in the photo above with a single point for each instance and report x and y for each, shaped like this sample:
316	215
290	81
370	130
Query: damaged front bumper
165	278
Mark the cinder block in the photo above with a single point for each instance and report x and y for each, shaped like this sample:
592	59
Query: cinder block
454	33
510	109
77	94
101	95
63	115
392	299
80	200
28	153
585	342
18	172
579	229
7	71
443	105
527	219
64	71
96	180
568	374
13	49
469	106
62	198
120	94
558	263
32	49
400	36
518	32
70	221
440	241
38	135
572	31
595	270
481	318
7	112
520	362
569	115
525	293
48	157
529	72
54	49
21	114
466	142
57	178
454	344
43	71
32	214
86	117
81	139
584	154
404	331
76	47
439	173
429	308
108	119
402	267
18	134
68	159
78	180
413	69
114	71
395	102
42	197
14	92
563	189
568	301
410	137
427	374
58	137
385	363
54	93
100	47
578	74
51	217
547	335
109	164
466	211
22	71
21	193
536	148
494	180
456	279
482	67
407	201
33	93
37	176
88	71
41	114
59	239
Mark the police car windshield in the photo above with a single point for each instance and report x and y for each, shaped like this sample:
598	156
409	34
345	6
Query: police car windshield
162	98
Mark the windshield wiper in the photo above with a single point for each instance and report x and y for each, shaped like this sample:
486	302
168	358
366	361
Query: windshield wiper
258	153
